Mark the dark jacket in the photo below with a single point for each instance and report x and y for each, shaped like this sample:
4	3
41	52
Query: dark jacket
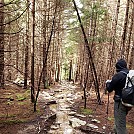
119	79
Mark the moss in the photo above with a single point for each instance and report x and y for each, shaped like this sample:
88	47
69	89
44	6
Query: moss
9	103
2	115
12	121
20	97
23	96
110	118
129	126
86	111
22	103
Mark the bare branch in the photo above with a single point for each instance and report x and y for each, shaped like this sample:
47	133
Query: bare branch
15	68
14	32
7	12
11	2
17	17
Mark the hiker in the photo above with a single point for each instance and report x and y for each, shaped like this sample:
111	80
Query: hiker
117	84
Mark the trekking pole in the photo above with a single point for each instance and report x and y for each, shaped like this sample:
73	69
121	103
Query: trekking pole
101	101
107	104
107	113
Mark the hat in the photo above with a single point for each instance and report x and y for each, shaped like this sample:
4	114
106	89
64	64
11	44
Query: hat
121	64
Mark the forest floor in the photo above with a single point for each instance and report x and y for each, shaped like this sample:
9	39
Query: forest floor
100	113
16	111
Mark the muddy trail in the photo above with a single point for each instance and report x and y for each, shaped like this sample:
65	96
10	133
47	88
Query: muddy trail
63	118
60	100
61	104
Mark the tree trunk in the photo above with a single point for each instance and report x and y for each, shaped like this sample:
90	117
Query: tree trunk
26	49
112	48
70	71
131	65
44	75
32	51
1	45
130	34
92	66
125	30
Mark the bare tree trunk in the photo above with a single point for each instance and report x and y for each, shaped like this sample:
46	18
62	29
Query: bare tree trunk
112	49
92	66
131	65
58	70
17	52
48	46
9	76
125	30
44	75
130	34
26	49
1	45
70	71
32	51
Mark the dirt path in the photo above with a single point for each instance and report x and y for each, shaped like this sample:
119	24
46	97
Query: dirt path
65	97
63	113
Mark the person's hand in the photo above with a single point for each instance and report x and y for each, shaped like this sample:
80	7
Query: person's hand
108	81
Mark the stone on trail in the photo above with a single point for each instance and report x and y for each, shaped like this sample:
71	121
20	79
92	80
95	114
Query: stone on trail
92	126
75	122
80	115
95	121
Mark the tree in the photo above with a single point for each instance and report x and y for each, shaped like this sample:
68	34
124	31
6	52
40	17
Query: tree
32	50
1	44
91	62
26	49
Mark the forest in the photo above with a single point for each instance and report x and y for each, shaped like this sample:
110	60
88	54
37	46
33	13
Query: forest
50	45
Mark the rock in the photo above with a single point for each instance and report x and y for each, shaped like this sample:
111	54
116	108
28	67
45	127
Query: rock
64	109
70	95
53	127
60	96
57	91
72	113
75	122
90	116
80	115
95	121
68	131
89	130
104	127
92	126
51	102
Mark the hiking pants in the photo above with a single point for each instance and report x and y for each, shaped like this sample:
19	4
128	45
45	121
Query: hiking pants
120	112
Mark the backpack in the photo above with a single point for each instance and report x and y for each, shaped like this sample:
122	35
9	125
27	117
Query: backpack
128	90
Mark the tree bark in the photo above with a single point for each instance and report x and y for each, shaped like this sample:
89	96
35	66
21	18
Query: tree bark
26	49
1	45
44	75
32	51
94	74
125	30
70	71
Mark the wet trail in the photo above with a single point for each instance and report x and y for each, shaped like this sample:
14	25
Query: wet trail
65	96
64	119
